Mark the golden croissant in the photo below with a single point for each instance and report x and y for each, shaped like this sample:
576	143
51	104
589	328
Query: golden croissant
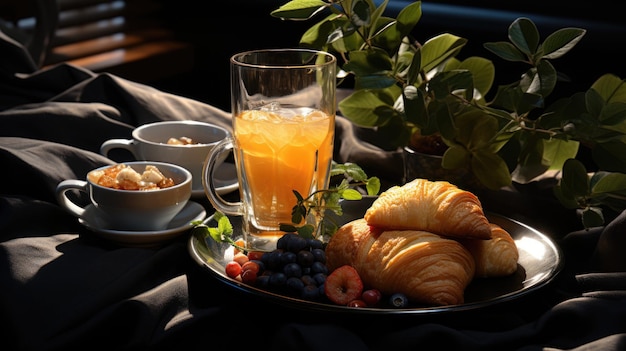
427	268
434	206
495	257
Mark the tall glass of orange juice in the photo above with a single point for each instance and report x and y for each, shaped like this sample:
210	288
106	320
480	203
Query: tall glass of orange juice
283	111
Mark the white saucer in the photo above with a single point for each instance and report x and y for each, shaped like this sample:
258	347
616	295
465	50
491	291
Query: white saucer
182	222
225	181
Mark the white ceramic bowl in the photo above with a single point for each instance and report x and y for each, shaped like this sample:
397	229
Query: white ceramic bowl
140	210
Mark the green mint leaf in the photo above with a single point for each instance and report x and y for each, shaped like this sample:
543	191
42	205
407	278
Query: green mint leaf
298	196
284	227
351	194
216	235
373	186
222	233
331	199
224	226
306	231
298	212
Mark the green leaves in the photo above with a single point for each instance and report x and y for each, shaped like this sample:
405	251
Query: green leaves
352	172
610	88
609	189
361	14
524	45
490	169
316	204
402	86
483	73
222	233
372	67
439	49
574	184
408	18
366	108
506	51
561	41
471	149
577	189
524	35
299	9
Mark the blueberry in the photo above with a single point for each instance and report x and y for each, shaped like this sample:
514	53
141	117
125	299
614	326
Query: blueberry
305	258
314	244
296	243
319	255
308	280
310	292
266	257
263	281
288	257
273	259
398	300
278	279
321	292
292	270
319	267
319	278
261	265
295	285
283	242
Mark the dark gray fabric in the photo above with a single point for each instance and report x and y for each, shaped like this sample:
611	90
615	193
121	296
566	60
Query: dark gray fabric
62	287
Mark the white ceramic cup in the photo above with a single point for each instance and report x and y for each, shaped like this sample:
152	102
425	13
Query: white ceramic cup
136	210
149	143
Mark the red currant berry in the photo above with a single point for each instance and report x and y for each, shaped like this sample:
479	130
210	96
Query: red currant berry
357	303
240	258
248	276
250	266
239	243
371	297
233	269
255	255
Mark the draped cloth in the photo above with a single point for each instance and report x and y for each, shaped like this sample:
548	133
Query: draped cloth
62	287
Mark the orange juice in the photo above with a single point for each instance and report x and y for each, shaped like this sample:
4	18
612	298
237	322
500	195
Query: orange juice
282	150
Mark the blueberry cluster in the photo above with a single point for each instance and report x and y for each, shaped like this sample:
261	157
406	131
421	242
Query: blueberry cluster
297	267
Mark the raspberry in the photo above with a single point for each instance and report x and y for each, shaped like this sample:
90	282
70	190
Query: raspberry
343	285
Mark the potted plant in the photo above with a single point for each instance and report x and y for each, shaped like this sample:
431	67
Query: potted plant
409	93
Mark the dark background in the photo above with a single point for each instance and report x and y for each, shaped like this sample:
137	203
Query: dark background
227	27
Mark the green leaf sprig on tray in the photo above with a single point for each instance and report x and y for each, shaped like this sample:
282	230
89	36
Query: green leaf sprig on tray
222	233
310	209
314	206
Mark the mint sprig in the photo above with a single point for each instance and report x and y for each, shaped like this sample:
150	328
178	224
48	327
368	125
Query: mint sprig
222	233
313	208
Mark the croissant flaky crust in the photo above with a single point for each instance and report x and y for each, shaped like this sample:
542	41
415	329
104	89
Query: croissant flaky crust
426	267
496	257
434	206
